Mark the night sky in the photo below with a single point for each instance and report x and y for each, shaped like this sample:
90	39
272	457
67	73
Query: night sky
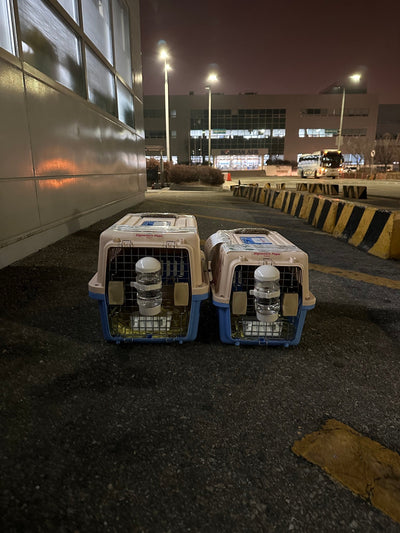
272	46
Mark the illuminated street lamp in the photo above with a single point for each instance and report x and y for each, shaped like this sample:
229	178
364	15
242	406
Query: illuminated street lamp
164	57
212	78
355	78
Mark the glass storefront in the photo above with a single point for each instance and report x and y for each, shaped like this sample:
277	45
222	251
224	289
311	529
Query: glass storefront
239	162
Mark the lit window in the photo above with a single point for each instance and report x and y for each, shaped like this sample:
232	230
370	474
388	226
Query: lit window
331	132
278	133
6	27
122	41
96	23
125	105
315	132
302	132
49	45
100	84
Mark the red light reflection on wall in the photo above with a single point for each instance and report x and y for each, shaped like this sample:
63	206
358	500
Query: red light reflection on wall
57	183
57	165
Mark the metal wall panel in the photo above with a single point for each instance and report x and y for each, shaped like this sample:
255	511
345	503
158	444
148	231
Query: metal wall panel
19	212
70	137
15	153
64	162
63	198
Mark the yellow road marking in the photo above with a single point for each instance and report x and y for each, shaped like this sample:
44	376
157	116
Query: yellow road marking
357	276
362	465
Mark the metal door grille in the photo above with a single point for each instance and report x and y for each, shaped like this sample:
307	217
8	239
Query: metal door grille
247	326
125	320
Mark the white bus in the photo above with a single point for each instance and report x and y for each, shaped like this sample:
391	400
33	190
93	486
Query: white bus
322	164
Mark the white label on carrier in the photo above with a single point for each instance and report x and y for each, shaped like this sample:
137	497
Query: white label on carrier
255	240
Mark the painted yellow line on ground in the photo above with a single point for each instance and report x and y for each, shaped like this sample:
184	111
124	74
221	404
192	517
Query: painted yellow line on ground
362	465
357	276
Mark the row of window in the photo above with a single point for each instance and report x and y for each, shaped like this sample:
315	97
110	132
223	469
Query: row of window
275	145
221	134
324	112
252	115
238	124
243	119
246	134
259	134
333	132
91	57
203	113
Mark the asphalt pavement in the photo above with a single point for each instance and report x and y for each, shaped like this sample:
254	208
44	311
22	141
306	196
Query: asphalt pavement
193	437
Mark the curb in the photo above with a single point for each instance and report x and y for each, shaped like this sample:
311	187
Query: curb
373	230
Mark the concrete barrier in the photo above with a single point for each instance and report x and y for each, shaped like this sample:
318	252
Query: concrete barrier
374	230
319	188
354	191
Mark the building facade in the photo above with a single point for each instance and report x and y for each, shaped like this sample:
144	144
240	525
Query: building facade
71	129
250	129
388	120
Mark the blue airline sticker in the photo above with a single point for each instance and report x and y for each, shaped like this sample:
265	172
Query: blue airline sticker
255	240
156	223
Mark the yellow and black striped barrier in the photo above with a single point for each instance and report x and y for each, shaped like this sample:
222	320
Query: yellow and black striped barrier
374	230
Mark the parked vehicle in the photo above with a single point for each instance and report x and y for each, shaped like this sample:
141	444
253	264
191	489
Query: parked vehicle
321	164
350	170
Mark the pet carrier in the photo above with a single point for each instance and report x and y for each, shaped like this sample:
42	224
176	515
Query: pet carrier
259	284
151	278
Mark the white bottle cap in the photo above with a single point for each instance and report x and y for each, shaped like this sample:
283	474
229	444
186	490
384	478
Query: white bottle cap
266	273
148	265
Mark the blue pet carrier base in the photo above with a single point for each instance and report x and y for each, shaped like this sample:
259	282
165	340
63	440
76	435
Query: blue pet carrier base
242	264
150	336
225	329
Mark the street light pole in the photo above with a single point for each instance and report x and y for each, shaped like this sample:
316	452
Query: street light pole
341	119
164	56
211	78
209	125
355	78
